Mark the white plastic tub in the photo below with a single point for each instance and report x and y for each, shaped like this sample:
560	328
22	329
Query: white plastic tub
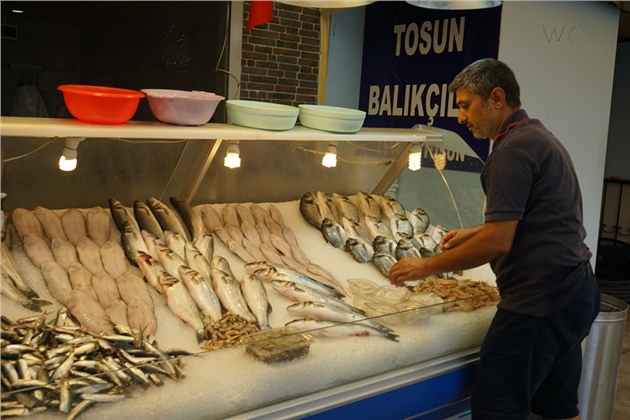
263	115
331	118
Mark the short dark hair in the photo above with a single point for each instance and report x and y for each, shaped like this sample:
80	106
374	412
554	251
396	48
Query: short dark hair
486	74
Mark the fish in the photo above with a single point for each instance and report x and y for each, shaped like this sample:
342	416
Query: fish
235	232
328	329
57	281
26	223
121	214
117	312
376	227
182	304
220	263
391	207
223	235
151	241
51	223
268	272
251	233
64	252
299	293
74	225
190	217
210	218
383	262
170	260
10	291
197	261
333	233
230	295
202	293
280	244
89	255
131	286
229	215
151	269
146	219
368	206
320	310
276	215
113	258
427	243
140	317
258	212
239	250
81	279
98	225
167	218
439	232
244	214
205	244
37	249
311	210
299	255
419	220
274	227
322	275
328	205
401	227
175	241
9	265
355	230
405	248
360	250
255	296
252	250
106	288
263	232
89	313
270	253
346	207
288	234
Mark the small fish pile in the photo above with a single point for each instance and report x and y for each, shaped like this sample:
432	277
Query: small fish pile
376	230
255	234
59	365
463	295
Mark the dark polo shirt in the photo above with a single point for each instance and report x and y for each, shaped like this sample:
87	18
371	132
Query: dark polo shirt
529	177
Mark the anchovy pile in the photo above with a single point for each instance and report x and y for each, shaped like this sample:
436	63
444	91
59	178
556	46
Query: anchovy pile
59	365
376	230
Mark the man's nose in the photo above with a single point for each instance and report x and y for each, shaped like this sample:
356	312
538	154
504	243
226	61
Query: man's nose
461	118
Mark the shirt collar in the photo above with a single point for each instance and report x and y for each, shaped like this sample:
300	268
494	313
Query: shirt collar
516	118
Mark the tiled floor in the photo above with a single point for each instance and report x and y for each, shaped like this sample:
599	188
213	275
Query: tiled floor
622	399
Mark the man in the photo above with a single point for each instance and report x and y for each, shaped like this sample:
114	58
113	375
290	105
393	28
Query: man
533	238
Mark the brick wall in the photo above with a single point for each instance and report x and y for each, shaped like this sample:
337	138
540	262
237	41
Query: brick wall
280	61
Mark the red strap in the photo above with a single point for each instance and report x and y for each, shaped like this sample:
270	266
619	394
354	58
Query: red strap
508	128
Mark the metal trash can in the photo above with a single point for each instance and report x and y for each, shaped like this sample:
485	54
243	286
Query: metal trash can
601	358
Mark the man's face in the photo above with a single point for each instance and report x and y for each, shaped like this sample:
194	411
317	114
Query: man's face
478	115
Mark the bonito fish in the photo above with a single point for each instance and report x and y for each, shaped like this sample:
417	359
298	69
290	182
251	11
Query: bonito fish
255	295
230	294
324	328
202	293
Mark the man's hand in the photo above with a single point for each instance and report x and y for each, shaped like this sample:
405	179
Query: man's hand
408	269
457	237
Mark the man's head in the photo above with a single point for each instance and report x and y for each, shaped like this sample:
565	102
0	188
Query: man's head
487	94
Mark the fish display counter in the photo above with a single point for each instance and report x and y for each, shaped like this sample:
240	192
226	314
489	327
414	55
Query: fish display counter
155	281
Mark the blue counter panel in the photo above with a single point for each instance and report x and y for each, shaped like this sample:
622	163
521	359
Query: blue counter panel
450	389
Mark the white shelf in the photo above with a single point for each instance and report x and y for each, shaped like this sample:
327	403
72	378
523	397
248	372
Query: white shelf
64	127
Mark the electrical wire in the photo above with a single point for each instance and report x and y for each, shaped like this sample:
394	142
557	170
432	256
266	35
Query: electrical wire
448	188
225	38
29	153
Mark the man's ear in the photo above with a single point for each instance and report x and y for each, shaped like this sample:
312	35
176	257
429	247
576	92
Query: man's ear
497	97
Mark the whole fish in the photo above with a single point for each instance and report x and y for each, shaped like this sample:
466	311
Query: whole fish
229	215
276	215
427	243
320	310
57	281
270	253
167	218
268	272
64	252
230	295
73	223
299	255
175	241
117	312
113	258
245	214
239	250
37	249
170	261
280	244
355	229
10	291
330	209
252	250
258	212
274	227
235	232
205	244
346	207
290	237
131	286
89	254
10	267
98	225
190	217
121	214
90	314
202	293
383	262
26	223
439	232
210	218
151	241
324	328
146	219
51	223
197	261
263	232
220	263
255	296
223	235
300	293
311	210
360	250
140	317
251	233
368	206
81	279
401	227
182	304
391	207
106	288
151	269
419	220
333	233
375	227
405	248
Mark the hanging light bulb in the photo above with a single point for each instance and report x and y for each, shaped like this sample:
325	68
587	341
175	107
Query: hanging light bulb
415	157
330	157
232	159
68	159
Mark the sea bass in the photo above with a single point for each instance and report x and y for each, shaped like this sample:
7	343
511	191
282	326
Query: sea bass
202	293
255	295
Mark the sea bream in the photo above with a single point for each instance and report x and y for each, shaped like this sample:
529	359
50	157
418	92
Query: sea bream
368	206
383	262
311	210
360	250
167	218
401	227
405	248
391	207
376	227
346	207
324	328
333	233
419	220
355	229
330	208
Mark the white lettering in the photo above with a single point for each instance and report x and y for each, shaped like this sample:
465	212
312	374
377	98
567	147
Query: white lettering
398	30
437	36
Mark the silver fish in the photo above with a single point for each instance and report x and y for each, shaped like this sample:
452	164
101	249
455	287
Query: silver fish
333	233
439	232
390	207
419	220
10	267
324	328
300	293
368	206
360	250
167	218
230	294
182	304
330	209
405	248
401	227
26	223
73	223
170	260
220	263
151	269
202	293
210	218
268	272
51	223
255	295
376	227
383	262
175	241
13	293
205	244
311	210
427	242
98	225
146	219
190	217
346	207
121	214
197	261
151	241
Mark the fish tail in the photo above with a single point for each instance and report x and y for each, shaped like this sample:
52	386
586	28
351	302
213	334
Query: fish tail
41	302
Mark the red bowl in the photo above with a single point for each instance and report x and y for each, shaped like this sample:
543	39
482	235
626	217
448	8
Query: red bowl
100	104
